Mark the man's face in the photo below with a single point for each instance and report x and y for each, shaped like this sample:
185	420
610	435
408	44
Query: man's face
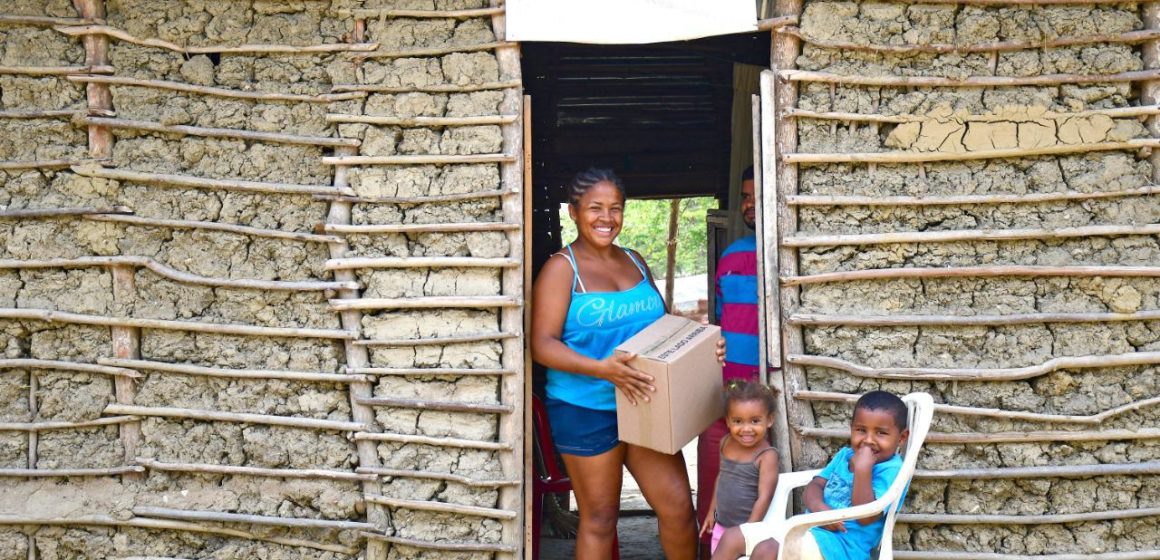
748	204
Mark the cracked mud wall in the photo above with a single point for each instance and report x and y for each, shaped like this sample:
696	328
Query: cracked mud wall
963	120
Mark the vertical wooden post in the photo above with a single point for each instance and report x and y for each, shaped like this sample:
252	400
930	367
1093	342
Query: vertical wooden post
671	253
511	427
126	346
1150	90
100	99
33	408
528	535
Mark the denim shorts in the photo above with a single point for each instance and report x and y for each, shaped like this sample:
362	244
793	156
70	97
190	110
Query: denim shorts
581	431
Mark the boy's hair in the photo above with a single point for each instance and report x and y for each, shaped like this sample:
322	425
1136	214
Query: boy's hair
889	402
740	390
747	175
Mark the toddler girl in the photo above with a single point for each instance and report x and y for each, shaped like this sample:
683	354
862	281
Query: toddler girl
749	464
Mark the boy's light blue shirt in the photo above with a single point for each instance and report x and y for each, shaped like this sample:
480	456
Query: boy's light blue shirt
858	540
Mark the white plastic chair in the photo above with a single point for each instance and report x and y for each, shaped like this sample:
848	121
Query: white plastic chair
921	407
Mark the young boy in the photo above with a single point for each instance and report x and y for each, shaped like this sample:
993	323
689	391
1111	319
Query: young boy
857	475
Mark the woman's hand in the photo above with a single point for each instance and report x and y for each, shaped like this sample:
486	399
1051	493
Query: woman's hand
707	525
635	384
721	351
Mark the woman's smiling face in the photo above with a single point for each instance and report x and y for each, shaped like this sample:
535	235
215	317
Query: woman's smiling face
598	214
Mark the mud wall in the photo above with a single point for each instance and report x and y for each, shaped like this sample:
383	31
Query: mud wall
256	303
1051	368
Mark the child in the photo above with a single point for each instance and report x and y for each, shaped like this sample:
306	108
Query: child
857	475
749	464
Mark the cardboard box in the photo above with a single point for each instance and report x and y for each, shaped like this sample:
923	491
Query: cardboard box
682	357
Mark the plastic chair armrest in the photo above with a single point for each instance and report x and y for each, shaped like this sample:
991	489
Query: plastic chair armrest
786	483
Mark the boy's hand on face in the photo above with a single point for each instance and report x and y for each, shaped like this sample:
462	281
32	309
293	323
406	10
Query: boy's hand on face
864	459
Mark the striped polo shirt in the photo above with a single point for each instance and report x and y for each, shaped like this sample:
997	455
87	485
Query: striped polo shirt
737	307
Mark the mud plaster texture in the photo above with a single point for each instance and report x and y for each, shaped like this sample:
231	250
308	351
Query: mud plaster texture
952	120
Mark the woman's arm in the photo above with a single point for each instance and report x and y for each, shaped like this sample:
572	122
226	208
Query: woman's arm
707	525
551	297
767	466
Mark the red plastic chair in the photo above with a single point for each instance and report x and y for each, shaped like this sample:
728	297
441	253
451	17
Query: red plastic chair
550	478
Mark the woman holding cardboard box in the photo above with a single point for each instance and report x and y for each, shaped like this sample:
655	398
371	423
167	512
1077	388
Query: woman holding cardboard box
589	298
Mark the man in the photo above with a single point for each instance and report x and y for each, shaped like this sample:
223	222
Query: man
736	283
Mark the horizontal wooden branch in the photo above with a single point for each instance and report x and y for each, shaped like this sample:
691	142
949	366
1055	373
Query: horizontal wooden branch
203	468
42	21
367	13
441	507
431	475
54	70
170	180
440	340
467	227
1002	437
64	365
455	372
222	517
1045	519
45	164
451	546
428	88
980	374
441	406
436	441
242	417
425	302
54	114
777	23
413	200
818	320
438	51
120	35
34	213
1130	37
938	156
419	262
1046	471
430	159
164	324
825	396
1029	198
973	81
46	426
230	133
188	369
218	92
968	235
218	226
1114	112
65	473
422	121
976	272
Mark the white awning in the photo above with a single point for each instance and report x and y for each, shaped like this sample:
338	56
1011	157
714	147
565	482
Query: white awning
627	21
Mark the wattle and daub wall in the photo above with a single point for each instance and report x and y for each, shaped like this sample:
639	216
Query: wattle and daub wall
998	160
260	280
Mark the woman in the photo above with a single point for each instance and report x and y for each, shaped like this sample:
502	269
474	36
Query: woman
590	297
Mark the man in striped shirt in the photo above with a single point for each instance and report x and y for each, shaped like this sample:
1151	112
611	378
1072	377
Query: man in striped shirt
736	283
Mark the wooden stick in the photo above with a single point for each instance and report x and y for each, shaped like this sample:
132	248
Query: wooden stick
166	180
815	320
430	88
443	406
421	121
54	70
829	200
439	341
1131	37
430	475
427	371
442	507
243	417
45	164
777	24
1047	471
995	412
40	114
64	473
471	227
215	226
361	13
45	426
981	374
436	441
412	200
126	342
222	517
34	213
976	272
426	302
33	413
438	51
41	21
951	555
155	465
973	81
968	235
163	324
420	262
926	157
429	159
80	31
1132	111
188	369
1055	518
208	132
32	363
443	545
218	92
1003	437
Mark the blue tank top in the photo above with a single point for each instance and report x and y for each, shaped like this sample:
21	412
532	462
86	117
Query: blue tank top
597	322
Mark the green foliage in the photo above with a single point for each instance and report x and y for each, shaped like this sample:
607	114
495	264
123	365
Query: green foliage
646	227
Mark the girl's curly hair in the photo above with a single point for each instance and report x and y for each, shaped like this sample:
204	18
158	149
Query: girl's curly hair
740	390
